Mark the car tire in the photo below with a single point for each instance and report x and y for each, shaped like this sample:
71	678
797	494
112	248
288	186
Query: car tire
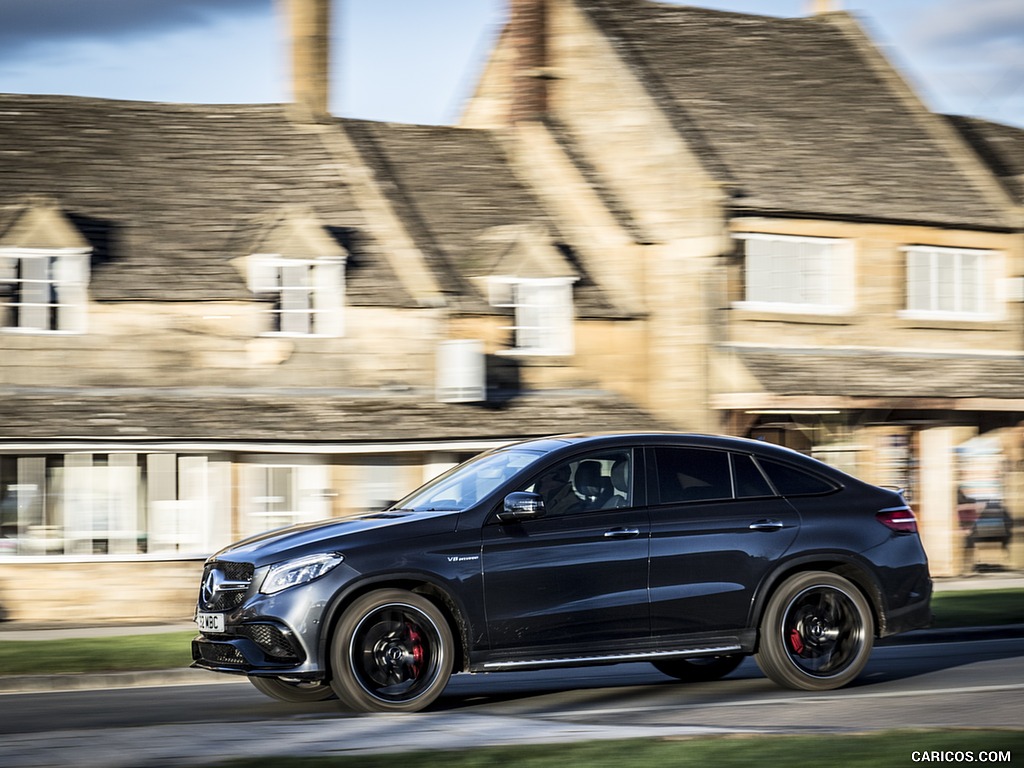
699	670
294	692
816	634
392	651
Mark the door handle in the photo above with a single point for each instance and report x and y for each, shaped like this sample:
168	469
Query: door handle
622	533
767	525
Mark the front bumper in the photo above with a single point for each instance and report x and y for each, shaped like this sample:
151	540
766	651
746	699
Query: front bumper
251	648
277	635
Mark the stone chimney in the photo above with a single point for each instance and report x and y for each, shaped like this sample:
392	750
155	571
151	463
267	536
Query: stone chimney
818	7
528	32
309	30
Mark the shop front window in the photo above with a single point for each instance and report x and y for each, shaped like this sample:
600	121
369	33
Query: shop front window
116	504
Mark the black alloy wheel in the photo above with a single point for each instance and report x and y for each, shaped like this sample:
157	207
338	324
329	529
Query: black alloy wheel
817	632
392	652
293	691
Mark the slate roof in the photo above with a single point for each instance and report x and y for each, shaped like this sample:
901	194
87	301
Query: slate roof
168	194
791	114
1001	147
456	192
311	416
887	375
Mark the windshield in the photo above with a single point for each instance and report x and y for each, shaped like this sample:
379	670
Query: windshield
466	484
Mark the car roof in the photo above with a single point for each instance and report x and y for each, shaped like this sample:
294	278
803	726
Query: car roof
596	439
571	443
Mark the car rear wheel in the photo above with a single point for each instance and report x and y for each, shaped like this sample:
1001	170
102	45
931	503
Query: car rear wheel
699	670
293	691
392	652
816	634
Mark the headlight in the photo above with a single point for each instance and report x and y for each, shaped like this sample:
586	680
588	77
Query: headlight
300	571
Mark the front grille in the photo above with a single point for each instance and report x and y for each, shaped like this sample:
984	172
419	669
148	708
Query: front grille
220	654
271	640
213	599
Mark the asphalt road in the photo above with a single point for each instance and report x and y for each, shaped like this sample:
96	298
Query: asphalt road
933	685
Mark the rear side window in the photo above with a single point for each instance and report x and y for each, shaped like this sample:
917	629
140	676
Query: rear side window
750	483
692	474
790	481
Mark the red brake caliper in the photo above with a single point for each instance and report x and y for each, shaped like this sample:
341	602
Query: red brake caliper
416	646
796	641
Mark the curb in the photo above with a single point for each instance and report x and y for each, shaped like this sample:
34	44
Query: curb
953	635
93	681
189	676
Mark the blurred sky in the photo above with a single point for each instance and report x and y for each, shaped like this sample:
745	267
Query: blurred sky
416	61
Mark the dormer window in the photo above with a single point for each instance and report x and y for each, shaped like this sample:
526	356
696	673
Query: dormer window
43	290
305	295
542	311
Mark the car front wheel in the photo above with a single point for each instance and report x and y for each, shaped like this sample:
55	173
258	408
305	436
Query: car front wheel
294	692
392	652
816	634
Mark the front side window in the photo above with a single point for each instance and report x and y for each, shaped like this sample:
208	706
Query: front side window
587	484
797	274
43	290
543	312
306	295
951	282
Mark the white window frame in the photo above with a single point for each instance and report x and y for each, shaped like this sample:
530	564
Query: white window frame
970	291
59	278
799	275
543	312
311	307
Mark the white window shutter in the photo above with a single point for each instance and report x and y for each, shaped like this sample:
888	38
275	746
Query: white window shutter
264	273
8	268
500	292
35	293
461	371
329	298
71	273
560	318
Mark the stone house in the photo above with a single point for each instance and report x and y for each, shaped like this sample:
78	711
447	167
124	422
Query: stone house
816	257
216	319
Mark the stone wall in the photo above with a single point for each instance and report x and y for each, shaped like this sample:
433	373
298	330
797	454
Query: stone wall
188	345
104	592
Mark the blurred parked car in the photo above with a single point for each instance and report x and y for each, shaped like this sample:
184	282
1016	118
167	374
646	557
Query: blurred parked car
686	551
993	525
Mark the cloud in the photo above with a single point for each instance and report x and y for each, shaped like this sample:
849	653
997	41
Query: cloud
969	26
29	24
972	51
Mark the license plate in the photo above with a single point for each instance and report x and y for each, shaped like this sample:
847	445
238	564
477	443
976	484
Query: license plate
210	622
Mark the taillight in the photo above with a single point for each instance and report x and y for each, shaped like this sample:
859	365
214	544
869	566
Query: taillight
899	519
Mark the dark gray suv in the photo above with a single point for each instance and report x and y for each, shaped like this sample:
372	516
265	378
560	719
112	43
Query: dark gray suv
688	551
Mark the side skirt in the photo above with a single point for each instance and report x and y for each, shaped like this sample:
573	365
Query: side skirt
710	646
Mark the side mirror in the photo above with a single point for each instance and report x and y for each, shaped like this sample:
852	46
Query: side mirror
521	505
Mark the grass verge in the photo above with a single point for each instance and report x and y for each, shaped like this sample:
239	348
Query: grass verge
879	750
101	654
981	608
